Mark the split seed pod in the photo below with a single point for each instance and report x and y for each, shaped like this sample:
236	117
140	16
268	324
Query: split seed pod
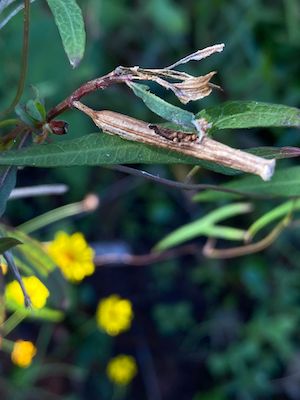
181	142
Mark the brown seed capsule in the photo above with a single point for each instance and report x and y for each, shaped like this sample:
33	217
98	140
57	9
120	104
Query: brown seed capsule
206	149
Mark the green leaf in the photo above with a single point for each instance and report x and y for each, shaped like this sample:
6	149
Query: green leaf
104	149
36	110
31	256
97	149
206	226
44	313
69	20
7	243
273	215
284	183
24	116
8	177
250	114
162	108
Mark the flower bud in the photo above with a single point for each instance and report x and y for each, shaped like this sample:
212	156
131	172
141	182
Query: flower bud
58	127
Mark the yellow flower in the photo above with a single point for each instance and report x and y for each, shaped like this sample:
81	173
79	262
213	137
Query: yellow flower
121	369
3	267
36	290
72	255
114	315
23	353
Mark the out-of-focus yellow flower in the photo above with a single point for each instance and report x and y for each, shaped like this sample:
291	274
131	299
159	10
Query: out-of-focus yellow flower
114	315
23	353
36	290
121	369
72	255
3	267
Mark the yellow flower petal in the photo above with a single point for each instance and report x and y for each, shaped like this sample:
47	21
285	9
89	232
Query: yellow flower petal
121	369
114	315
72	255
36	290
23	353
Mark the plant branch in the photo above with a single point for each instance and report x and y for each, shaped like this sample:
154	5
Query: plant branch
40	190
12	14
144	259
116	76
24	59
182	185
212	252
8	122
189	88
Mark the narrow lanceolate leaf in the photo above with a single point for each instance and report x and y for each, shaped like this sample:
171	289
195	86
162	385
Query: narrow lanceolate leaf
7	243
69	20
45	313
31	257
162	108
276	213
284	183
205	226
250	114
98	149
276	152
8	177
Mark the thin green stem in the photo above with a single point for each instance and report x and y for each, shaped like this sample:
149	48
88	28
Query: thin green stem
57	214
15	319
8	122
24	59
7	345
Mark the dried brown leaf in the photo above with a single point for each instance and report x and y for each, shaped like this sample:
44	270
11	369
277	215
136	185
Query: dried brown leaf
194	88
199	55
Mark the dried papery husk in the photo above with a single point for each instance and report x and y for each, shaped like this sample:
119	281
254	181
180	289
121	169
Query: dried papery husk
207	149
194	88
189	87
199	55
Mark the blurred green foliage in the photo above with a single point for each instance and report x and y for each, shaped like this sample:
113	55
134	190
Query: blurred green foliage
203	329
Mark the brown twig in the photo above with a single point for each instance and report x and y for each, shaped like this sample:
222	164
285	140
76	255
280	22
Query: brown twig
144	259
116	76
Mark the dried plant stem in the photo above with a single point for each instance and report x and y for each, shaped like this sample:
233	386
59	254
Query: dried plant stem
181	142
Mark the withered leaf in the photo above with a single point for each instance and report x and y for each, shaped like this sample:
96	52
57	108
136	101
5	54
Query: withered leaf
199	55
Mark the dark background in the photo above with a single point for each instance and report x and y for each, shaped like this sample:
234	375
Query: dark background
202	329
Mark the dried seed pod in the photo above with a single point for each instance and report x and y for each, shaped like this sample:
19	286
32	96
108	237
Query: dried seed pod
207	149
